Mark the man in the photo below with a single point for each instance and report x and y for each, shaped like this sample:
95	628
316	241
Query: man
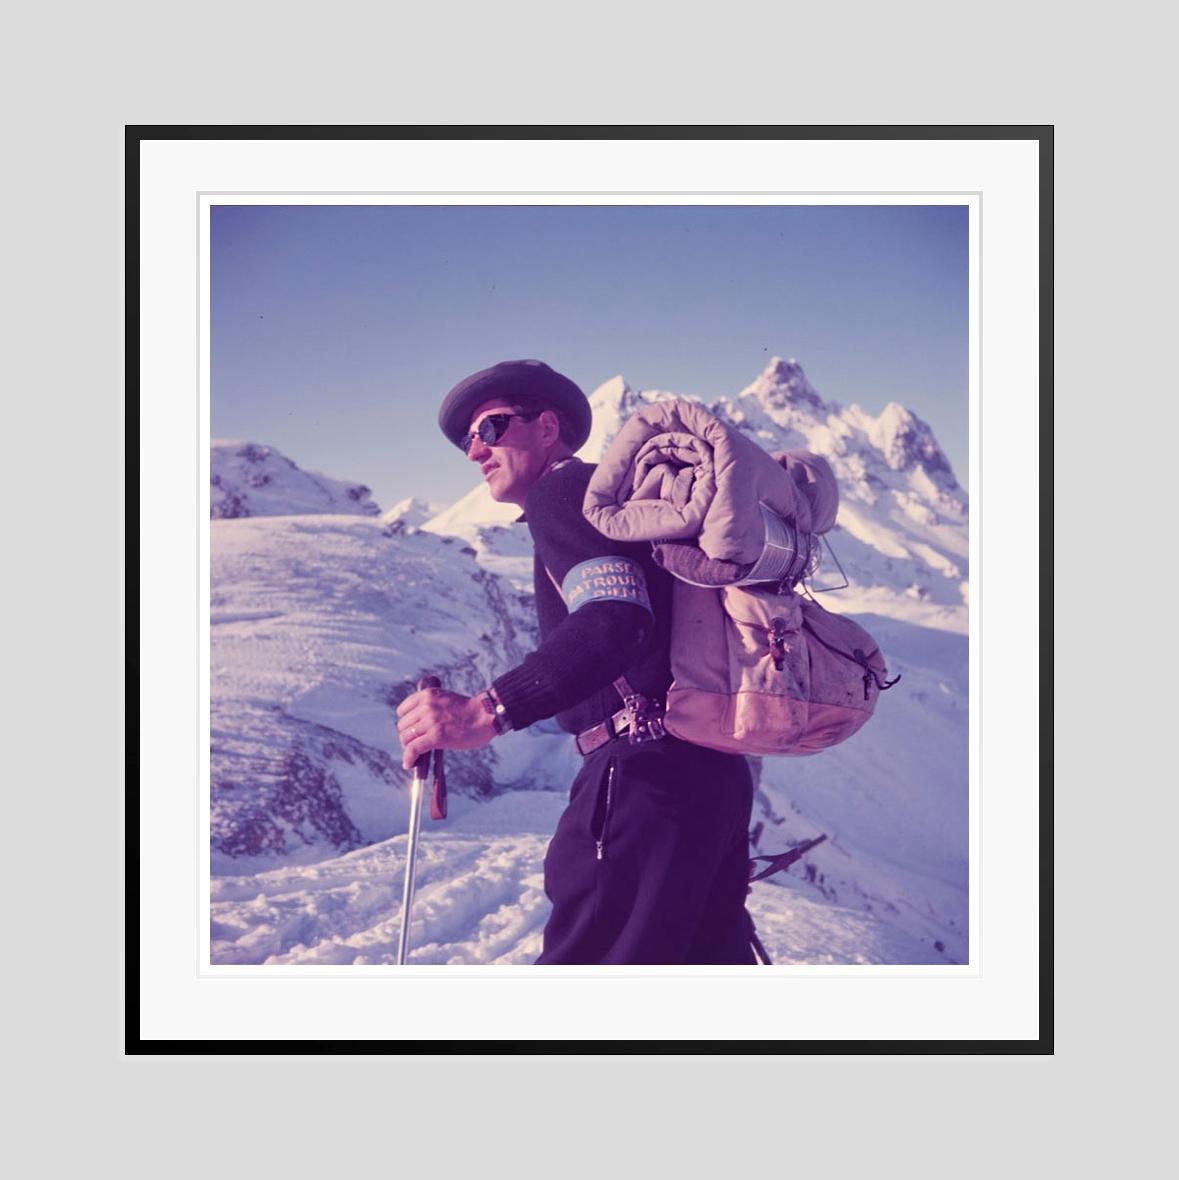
649	861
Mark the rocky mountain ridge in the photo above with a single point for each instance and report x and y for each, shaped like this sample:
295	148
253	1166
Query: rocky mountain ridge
902	530
250	479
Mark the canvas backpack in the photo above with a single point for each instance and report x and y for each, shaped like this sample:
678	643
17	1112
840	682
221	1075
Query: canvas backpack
758	666
755	671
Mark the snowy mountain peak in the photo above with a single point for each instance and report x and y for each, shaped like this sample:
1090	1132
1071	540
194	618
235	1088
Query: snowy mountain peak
615	399
249	479
410	513
612	403
902	514
612	392
783	383
906	441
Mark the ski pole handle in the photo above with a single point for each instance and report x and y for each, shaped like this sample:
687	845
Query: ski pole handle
422	765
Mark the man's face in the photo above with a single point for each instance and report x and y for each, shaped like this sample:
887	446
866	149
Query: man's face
513	464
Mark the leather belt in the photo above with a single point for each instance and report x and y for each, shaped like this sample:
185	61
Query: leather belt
645	727
598	735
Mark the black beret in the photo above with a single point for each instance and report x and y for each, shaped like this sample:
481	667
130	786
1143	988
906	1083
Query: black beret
527	384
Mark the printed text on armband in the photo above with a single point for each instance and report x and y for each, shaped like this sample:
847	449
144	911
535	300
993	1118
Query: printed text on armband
618	580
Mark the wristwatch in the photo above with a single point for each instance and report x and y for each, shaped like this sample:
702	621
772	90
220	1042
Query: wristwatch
495	707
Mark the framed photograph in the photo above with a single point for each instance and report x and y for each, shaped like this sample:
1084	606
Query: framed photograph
301	303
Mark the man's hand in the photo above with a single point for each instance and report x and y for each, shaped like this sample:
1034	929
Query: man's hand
435	719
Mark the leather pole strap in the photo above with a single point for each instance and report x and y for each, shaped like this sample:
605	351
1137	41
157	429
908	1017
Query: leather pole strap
438	795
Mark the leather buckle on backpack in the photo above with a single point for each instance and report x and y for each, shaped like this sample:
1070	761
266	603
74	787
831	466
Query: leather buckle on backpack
645	719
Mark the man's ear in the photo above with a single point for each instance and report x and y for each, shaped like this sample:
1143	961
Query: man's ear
550	427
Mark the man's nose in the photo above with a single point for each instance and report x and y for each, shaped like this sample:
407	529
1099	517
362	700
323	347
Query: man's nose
479	450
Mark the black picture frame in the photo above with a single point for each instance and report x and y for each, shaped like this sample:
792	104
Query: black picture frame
1039	135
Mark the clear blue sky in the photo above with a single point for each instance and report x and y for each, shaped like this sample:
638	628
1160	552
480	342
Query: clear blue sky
337	330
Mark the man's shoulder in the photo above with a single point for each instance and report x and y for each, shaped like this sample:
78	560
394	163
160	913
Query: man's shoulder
559	489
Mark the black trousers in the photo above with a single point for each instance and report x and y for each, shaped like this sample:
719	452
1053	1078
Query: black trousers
650	860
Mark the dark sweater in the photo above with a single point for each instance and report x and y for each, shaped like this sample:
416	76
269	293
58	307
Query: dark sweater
571	674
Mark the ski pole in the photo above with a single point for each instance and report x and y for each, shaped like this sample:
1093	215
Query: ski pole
421	768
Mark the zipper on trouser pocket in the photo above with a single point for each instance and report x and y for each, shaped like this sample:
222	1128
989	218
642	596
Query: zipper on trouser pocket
601	841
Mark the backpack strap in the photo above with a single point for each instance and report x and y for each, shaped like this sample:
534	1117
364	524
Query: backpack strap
857	656
644	715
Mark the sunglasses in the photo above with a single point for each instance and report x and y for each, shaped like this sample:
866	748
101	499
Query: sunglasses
492	428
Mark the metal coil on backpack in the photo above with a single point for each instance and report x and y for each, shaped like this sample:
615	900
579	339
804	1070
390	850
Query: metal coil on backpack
787	555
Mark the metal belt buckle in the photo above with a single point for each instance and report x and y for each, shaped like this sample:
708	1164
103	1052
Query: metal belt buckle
646	719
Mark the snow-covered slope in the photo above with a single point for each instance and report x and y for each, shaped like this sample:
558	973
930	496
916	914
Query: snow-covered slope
480	900
252	480
321	625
